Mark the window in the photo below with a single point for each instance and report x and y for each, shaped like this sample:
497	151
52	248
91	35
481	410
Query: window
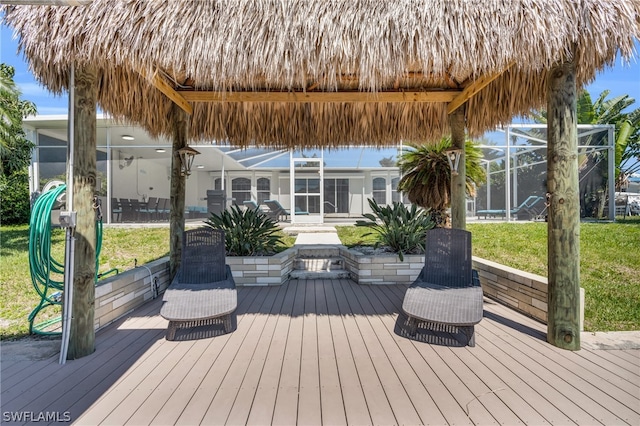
397	197
264	190
380	190
240	190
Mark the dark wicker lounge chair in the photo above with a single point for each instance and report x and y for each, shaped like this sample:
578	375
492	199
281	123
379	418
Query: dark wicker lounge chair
203	291
448	290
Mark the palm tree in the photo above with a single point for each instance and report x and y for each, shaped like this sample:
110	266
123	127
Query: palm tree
611	111
627	143
426	175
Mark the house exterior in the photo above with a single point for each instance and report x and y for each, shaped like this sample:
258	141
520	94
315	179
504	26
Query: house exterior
134	173
133	180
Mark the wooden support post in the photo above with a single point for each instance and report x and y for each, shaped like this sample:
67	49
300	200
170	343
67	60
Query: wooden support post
458	185
564	209
82	328
178	189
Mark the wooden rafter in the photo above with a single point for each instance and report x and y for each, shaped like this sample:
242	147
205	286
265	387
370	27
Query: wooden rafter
162	85
321	97
472	89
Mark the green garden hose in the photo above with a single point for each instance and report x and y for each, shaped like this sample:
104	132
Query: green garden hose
47	273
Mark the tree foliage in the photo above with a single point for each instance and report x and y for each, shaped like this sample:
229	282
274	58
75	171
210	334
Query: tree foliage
15	150
627	127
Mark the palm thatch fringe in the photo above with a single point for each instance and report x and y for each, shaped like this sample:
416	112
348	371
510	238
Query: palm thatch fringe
369	45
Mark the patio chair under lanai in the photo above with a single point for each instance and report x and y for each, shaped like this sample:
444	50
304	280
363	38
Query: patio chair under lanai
448	290
203	291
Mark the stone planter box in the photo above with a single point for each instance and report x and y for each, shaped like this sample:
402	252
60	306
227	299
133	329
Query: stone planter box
381	268
262	270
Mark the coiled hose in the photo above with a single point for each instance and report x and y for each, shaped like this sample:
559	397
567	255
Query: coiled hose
47	273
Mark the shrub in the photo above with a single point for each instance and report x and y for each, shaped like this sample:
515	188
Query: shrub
402	230
15	207
247	233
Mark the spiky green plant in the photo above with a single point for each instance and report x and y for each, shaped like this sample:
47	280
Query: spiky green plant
247	232
401	229
426	175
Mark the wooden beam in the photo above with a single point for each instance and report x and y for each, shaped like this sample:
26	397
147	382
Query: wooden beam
472	89
161	84
320	97
458	181
563	228
180	124
84	98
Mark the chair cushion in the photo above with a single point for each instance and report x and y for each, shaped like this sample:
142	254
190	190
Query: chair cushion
436	303
185	302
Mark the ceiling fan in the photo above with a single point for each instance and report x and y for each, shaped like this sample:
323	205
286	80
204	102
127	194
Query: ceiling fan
124	162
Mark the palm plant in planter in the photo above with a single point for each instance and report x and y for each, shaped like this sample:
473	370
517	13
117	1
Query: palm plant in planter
401	229
426	175
247	232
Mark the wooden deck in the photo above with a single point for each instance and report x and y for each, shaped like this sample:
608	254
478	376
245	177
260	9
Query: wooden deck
327	352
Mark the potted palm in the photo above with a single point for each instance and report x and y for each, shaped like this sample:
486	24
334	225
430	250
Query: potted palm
426	176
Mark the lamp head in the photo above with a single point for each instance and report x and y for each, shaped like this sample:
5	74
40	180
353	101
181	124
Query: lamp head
186	155
453	157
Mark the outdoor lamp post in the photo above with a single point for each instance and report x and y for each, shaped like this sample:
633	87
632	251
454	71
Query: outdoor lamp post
186	154
453	157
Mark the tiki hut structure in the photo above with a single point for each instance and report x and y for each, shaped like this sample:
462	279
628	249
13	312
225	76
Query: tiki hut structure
296	73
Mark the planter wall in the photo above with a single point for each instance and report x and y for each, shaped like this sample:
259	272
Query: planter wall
521	291
382	269
120	294
262	270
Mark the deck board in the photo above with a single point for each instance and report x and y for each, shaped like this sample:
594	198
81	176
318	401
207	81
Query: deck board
379	408
267	390
228	390
40	395
402	406
247	391
384	322
175	407
200	401
328	352
586	380
309	402
568	379
355	403
286	404
331	401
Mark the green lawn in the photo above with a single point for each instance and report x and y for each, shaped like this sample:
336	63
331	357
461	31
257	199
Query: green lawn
610	264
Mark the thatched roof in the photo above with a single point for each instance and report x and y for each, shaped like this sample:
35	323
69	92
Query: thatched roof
249	47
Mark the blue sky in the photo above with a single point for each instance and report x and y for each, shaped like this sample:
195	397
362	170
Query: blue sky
623	78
